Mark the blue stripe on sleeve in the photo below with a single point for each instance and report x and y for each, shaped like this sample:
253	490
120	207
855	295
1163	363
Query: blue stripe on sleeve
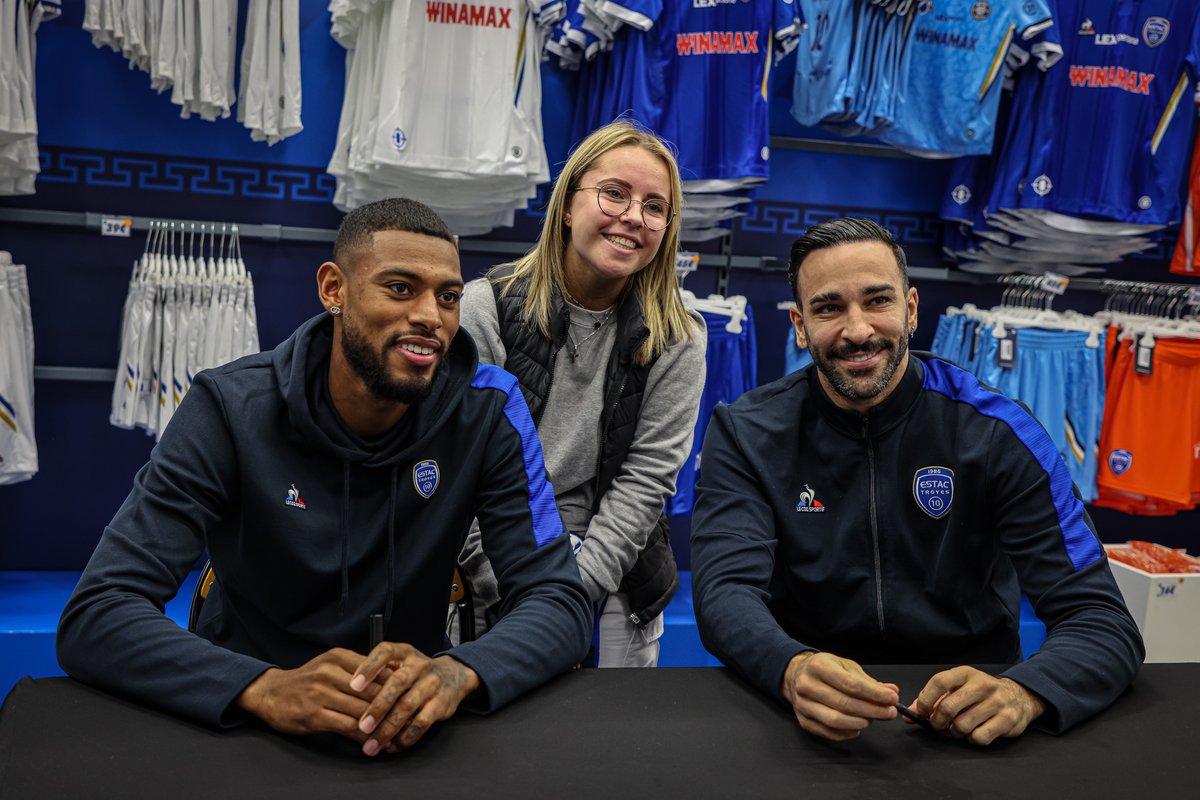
547	524
961	386
5	404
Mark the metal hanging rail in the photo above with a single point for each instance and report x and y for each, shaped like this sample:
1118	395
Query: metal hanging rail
724	262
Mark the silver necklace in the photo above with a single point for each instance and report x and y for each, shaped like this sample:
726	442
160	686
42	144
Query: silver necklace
597	324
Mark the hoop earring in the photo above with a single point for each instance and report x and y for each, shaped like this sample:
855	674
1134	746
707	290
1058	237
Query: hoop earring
335	310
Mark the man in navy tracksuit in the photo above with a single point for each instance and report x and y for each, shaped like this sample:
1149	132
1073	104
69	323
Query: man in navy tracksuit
332	482
883	507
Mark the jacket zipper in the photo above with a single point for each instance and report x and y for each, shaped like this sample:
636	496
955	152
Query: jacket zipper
604	441
604	434
866	427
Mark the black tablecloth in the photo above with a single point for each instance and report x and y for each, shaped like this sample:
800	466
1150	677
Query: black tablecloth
666	733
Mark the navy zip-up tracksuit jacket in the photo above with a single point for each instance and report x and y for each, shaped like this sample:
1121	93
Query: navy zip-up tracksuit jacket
311	531
903	536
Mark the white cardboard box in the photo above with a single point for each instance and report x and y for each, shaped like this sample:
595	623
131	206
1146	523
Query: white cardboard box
1166	608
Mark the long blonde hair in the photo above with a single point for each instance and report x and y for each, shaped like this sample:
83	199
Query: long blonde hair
666	318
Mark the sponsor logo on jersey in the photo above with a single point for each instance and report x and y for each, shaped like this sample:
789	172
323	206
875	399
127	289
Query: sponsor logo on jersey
426	477
960	41
714	3
808	503
961	194
293	499
933	489
399	139
1042	185
1110	39
716	43
981	10
1119	461
1128	80
1155	31
468	14
1086	29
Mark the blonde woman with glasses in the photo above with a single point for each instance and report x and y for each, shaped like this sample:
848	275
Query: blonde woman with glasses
612	367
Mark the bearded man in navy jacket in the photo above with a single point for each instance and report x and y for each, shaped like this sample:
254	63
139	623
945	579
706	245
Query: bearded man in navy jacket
882	507
331	481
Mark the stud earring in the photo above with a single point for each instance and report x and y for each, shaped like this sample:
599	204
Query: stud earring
335	310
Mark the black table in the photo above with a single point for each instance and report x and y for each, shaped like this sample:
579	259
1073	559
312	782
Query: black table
667	733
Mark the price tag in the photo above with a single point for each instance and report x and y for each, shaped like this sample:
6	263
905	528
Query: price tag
1054	283
1143	362
116	226
1006	353
686	262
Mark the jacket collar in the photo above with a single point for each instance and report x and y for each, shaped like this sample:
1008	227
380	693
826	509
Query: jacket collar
880	418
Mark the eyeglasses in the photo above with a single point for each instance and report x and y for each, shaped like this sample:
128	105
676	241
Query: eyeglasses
614	200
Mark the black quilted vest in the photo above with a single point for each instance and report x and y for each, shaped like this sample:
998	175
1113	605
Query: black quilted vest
530	356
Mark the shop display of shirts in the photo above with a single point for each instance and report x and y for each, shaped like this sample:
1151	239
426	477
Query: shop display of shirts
462	135
18	446
185	312
19	22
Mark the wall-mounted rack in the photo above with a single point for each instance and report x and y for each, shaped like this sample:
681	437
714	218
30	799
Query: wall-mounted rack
724	262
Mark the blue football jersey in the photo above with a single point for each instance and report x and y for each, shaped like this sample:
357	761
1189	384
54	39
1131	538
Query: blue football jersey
950	83
698	77
1114	122
823	60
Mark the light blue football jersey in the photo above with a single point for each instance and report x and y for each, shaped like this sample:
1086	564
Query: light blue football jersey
823	60
950	83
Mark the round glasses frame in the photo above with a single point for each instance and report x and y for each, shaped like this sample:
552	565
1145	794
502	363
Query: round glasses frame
616	209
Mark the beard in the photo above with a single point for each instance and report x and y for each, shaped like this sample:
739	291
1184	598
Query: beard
371	366
849	383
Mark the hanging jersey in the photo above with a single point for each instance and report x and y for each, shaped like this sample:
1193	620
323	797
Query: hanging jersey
439	110
731	364
1185	260
823	60
1114	128
698	77
969	41
18	448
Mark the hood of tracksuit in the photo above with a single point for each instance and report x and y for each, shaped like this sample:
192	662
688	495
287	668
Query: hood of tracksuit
302	369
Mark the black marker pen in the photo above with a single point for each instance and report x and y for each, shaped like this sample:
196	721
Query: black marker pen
909	714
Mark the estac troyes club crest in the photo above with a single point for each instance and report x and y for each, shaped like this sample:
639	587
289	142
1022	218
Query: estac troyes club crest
426	477
1119	461
933	489
1155	31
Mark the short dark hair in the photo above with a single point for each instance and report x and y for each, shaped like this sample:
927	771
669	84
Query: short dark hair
392	214
843	230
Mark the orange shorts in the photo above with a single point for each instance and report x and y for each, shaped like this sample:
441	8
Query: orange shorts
1150	437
